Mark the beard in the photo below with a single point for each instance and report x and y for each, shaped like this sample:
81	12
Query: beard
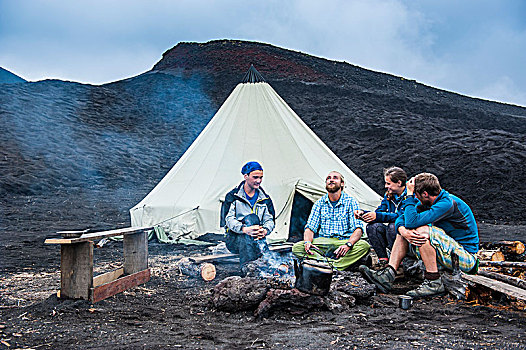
333	188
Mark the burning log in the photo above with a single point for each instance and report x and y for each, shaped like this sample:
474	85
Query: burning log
191	268
504	278
236	293
490	255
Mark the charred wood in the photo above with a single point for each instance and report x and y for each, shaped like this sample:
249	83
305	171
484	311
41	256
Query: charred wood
354	285
237	294
293	301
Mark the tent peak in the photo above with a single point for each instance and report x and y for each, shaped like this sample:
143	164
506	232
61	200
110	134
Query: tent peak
253	76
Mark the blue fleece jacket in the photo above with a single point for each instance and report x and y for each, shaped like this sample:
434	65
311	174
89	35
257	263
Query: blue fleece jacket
448	212
390	209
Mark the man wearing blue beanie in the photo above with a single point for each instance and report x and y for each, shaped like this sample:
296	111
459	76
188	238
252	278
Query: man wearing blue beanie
248	214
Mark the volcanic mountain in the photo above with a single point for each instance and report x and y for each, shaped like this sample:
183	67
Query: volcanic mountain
75	155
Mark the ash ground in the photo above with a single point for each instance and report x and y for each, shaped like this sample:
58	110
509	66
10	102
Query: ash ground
175	311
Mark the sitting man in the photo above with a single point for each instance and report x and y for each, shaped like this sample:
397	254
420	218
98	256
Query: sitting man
434	225
339	232
249	215
382	236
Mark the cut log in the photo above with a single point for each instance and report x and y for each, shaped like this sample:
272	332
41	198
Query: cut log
490	255
508	247
517	282
515	247
188	267
514	264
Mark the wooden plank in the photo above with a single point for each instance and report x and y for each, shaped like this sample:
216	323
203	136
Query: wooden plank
286	247
76	270
517	282
135	252
498	286
107	277
216	257
514	264
110	289
97	235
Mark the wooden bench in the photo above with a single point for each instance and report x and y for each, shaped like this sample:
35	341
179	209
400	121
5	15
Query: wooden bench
76	264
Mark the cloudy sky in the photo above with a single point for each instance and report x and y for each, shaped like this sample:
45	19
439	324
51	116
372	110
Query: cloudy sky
474	47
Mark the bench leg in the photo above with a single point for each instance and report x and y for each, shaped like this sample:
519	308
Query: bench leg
76	270
135	252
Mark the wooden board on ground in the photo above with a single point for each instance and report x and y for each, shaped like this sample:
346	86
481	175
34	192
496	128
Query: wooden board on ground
498	286
107	277
110	289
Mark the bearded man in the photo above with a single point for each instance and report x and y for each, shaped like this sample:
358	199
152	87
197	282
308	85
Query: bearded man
339	232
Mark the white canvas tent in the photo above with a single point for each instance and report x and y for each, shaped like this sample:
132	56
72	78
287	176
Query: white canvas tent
254	123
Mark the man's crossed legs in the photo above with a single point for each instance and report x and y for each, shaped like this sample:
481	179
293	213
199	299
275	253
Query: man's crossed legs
436	249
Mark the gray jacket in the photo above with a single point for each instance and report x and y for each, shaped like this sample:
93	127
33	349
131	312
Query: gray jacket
241	208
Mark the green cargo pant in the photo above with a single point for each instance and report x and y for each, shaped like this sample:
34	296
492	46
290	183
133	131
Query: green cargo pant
360	249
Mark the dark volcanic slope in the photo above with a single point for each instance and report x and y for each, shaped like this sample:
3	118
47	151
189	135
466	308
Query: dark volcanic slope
373	120
6	77
76	155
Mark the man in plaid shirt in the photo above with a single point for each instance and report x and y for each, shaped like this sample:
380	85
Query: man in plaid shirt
339	232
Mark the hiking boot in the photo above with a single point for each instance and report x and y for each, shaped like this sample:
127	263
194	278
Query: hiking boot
382	264
383	279
428	288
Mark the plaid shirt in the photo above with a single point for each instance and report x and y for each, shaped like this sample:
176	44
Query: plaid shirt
337	221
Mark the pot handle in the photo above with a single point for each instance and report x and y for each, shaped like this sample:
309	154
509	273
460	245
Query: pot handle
320	252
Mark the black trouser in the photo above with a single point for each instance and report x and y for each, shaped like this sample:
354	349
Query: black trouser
381	236
246	246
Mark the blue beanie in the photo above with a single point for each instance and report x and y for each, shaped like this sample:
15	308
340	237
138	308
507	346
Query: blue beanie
250	167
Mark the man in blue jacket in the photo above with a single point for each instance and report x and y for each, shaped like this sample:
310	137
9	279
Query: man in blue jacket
381	222
434	225
248	215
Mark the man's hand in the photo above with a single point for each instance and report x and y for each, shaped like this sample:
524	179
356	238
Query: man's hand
308	245
369	216
358	214
341	251
262	233
253	231
413	236
410	185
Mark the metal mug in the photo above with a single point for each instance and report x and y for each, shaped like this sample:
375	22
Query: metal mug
405	302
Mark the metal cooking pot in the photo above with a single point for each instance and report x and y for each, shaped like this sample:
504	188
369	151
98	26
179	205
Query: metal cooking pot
313	277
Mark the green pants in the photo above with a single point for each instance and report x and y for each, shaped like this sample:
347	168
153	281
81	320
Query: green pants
359	250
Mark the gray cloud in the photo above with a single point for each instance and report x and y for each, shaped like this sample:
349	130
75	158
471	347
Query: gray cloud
472	47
